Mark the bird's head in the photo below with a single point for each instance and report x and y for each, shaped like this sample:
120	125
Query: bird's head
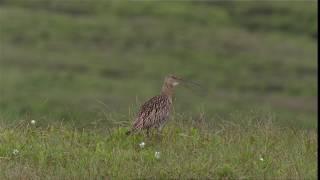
172	81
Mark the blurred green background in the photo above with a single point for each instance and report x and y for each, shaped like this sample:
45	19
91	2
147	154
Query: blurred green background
94	62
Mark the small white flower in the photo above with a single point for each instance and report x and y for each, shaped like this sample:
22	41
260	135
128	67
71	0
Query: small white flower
142	144
157	155
15	152
33	122
261	159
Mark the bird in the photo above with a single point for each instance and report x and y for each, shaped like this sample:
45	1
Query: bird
155	112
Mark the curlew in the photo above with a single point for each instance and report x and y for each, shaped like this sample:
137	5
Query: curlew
155	112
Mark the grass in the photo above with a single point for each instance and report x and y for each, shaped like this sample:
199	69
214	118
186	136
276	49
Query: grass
250	149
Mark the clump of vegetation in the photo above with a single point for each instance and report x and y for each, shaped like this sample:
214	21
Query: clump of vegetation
247	150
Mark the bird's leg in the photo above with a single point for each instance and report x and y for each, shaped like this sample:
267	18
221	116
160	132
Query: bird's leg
148	132
160	128
159	134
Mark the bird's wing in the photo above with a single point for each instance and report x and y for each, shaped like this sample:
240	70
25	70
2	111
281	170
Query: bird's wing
145	121
148	112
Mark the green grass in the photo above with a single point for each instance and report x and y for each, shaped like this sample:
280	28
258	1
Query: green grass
250	149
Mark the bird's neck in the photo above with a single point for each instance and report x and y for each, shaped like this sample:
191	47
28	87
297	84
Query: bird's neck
167	90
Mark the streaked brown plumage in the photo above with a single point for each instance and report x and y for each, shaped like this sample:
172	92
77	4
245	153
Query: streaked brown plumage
155	112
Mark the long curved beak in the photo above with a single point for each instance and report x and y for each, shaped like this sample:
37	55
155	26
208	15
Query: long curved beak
189	82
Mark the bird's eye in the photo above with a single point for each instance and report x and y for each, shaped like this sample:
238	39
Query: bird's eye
175	83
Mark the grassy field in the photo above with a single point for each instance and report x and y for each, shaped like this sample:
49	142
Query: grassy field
255	150
81	69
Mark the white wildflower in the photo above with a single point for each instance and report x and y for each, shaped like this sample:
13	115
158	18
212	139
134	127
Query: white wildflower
15	152
157	155
33	122
142	144
261	159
